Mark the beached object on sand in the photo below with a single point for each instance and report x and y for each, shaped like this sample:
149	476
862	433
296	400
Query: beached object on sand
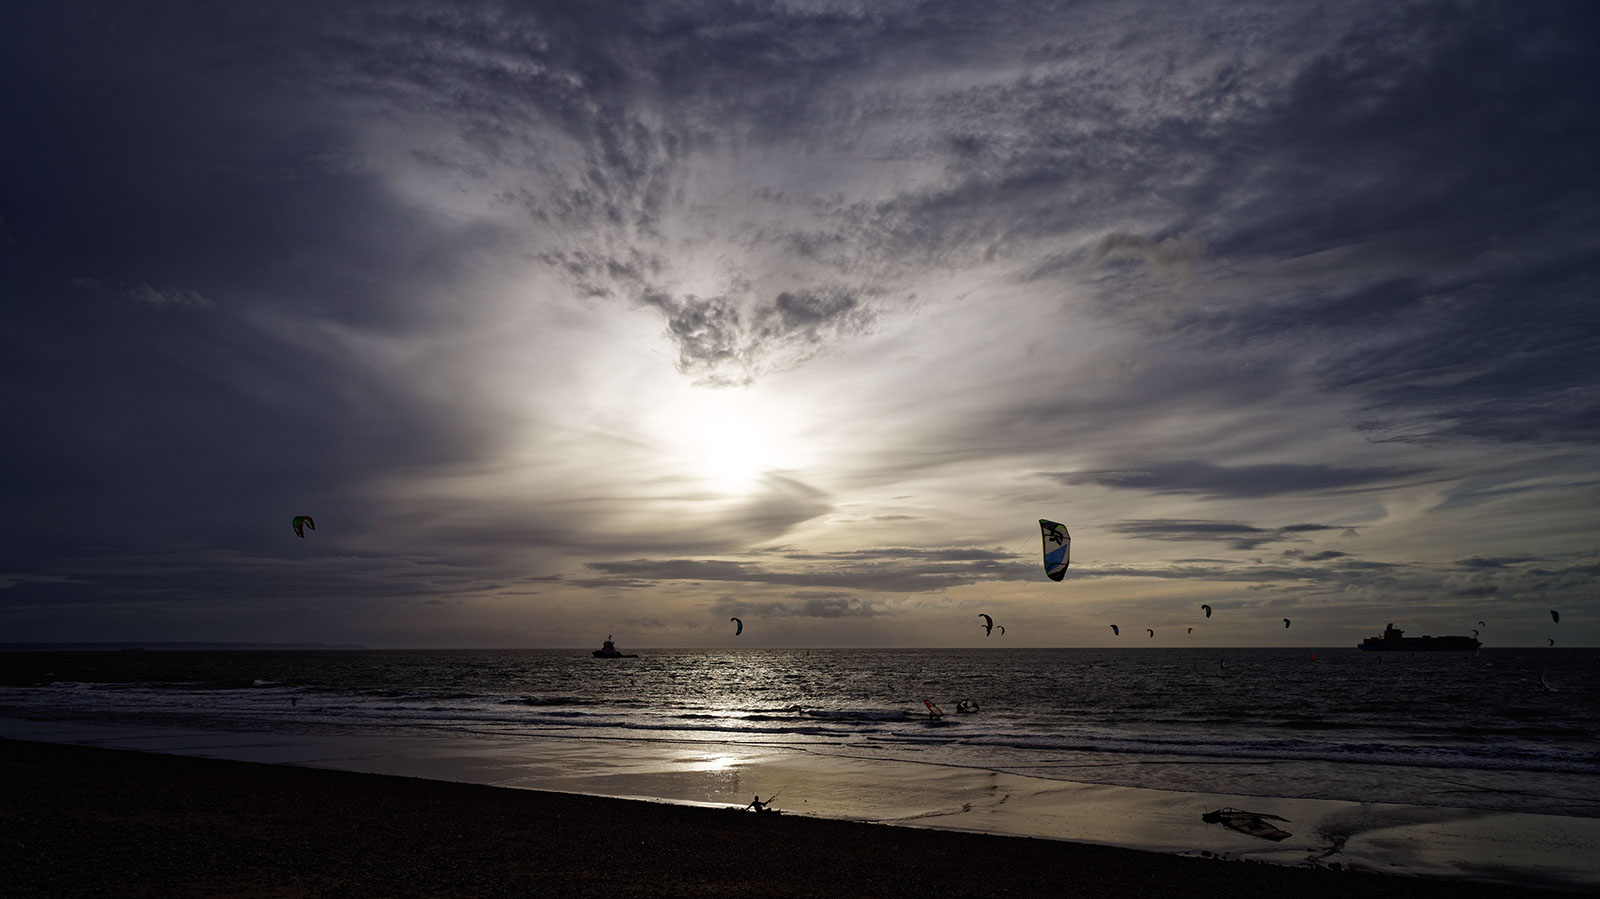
1252	823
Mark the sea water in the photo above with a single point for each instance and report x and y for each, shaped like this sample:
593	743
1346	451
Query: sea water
1503	729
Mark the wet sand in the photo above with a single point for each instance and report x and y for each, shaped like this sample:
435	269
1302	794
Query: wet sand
82	821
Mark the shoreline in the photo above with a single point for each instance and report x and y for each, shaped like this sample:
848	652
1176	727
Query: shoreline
88	820
1451	845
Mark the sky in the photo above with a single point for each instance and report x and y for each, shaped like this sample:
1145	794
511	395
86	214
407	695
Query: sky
572	319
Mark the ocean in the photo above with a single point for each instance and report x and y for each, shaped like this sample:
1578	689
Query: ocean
1504	730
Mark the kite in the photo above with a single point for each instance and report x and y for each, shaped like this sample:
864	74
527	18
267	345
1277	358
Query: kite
738	630
1555	616
300	523
1207	608
1152	632
1114	630
1002	629
1481	624
1057	549
1191	630
1552	640
1474	632
1285	622
988	624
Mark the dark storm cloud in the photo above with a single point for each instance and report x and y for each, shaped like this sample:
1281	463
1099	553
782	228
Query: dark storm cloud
1196	476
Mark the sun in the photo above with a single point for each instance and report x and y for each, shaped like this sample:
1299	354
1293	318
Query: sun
726	438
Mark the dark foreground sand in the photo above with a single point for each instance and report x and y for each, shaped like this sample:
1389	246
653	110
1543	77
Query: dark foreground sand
78	821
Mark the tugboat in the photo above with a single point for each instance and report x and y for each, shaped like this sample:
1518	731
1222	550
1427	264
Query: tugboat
610	651
1393	640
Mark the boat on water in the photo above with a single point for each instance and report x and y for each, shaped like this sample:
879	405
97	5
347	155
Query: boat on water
1394	640
610	651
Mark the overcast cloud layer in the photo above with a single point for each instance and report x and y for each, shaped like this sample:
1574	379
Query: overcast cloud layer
574	319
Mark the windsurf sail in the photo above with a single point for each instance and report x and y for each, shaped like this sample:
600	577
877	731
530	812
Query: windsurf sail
1252	823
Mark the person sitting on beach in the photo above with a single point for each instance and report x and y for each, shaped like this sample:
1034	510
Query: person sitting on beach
758	805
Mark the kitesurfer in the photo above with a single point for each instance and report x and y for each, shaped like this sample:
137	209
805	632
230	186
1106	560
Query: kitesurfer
760	806
1057	549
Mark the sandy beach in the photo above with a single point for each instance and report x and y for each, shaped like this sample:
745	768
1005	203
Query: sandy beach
82	821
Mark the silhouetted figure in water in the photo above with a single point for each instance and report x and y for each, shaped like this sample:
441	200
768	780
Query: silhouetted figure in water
294	700
760	806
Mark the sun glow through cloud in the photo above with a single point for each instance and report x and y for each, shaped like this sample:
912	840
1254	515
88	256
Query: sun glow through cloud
726	439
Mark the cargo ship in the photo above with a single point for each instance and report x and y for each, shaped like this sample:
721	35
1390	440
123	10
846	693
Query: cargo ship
1394	640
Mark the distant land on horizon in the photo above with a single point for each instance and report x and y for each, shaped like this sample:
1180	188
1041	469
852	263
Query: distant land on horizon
136	644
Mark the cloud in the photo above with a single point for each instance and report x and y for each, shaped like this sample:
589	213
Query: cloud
168	297
725	342
1323	556
1235	534
1175	255
811	605
1194	476
1254	259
